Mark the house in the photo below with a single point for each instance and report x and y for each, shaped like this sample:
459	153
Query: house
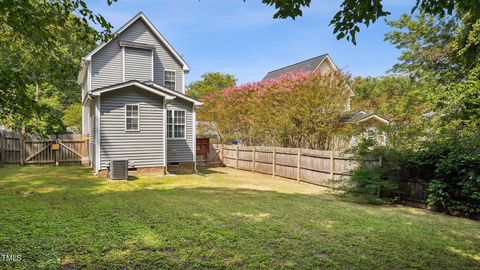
134	105
370	122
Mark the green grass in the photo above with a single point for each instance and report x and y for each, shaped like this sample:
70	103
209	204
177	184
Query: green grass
64	218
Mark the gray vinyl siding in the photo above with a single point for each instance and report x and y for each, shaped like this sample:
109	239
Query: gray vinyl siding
107	64
144	147
92	133
138	64
181	150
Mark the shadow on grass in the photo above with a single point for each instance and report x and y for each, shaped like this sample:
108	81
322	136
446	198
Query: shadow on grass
79	224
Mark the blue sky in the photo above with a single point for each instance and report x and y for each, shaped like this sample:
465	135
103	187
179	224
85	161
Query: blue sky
242	38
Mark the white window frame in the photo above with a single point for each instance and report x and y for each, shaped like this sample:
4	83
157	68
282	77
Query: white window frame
138	118
173	124
174	78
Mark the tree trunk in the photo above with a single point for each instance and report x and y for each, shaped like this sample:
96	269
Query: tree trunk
21	143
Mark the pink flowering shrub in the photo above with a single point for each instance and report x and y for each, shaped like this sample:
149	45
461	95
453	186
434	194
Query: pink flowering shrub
294	110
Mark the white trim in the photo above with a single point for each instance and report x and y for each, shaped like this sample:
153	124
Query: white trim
123	64
138	117
183	82
98	92
173	124
174	78
194	139
136	45
89	78
142	16
97	135
175	93
376	117
153	57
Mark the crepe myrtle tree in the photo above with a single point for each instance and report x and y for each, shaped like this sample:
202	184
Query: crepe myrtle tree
295	110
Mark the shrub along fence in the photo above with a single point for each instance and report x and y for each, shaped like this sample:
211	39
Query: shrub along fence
311	166
68	149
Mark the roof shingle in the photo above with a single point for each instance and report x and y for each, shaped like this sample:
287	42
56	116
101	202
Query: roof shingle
306	65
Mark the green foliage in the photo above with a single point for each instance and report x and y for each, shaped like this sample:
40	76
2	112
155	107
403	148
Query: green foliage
210	84
73	116
45	114
369	179
66	218
41	47
397	98
354	13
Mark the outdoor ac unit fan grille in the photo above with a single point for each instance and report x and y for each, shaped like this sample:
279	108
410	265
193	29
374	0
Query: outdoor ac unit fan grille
119	169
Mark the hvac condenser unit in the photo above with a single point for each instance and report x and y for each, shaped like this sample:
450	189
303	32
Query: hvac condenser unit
118	169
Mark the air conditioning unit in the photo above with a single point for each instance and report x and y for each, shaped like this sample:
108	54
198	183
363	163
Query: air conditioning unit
118	169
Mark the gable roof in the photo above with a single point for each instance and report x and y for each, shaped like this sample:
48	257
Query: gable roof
174	93
361	116
306	65
148	86
118	86
141	16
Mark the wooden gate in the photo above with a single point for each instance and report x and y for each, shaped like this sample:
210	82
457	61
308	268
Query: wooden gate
58	150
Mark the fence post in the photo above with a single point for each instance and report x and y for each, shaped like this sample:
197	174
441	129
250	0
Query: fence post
332	164
221	154
236	157
299	159
274	160
3	144
253	159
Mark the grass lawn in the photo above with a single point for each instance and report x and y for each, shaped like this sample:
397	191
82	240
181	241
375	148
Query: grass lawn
64	218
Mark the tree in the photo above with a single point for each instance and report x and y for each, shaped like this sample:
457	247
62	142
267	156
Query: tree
209	84
72	116
397	98
37	36
356	12
294	110
45	63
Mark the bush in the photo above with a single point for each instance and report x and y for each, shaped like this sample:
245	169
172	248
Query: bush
449	166
370	179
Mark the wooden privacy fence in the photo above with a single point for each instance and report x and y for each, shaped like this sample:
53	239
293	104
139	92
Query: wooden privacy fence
311	166
57	149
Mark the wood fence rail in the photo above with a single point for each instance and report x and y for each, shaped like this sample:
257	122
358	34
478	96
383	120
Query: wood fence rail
311	166
57	149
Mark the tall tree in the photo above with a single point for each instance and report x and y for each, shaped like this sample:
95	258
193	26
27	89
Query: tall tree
35	36
209	84
39	76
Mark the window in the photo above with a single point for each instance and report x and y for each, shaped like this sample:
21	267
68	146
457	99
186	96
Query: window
170	79
175	124
132	117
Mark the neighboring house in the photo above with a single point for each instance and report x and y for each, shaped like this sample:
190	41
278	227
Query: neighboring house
369	121
134	105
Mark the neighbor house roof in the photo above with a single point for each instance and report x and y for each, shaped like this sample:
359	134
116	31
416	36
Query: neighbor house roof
306	65
361	116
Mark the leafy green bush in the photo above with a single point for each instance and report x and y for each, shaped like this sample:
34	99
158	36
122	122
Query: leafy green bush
370	179
449	166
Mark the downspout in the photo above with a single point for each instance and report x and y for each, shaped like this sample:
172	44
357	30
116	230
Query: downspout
194	116
165	134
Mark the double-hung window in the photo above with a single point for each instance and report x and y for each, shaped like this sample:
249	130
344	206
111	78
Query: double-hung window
175	124
132	117
169	79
